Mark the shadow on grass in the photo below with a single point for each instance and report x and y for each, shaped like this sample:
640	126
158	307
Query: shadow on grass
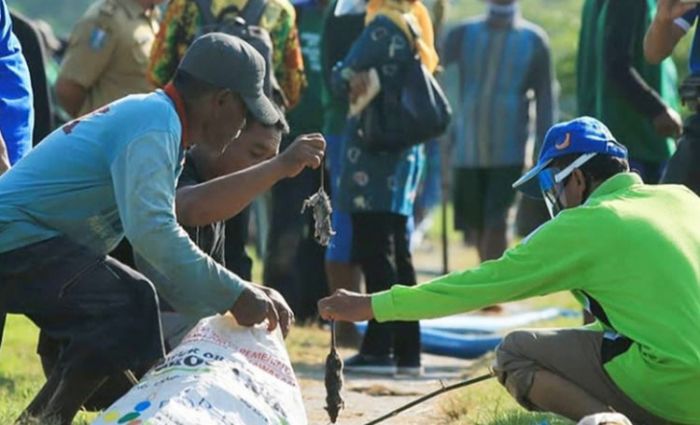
7	384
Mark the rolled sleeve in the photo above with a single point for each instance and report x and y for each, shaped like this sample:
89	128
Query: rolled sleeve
92	43
144	185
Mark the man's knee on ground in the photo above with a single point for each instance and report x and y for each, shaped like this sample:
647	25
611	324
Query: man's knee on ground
514	368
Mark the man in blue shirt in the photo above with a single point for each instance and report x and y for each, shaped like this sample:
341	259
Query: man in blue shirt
17	121
672	21
116	177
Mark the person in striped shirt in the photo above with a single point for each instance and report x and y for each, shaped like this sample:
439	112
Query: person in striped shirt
504	65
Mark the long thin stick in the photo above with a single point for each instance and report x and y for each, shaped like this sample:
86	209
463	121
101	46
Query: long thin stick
431	395
445	186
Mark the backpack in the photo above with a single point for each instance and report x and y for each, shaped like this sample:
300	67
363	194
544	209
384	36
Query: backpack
244	24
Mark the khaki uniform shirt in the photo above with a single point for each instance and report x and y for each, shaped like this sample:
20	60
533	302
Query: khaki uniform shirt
108	51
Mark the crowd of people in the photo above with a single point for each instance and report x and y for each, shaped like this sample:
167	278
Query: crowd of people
175	131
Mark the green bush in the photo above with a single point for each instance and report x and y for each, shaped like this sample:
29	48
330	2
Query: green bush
60	14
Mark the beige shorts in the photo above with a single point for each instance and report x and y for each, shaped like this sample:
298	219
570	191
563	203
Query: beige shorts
573	354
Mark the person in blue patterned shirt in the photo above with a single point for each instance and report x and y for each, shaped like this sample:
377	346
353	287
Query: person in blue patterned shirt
503	61
378	188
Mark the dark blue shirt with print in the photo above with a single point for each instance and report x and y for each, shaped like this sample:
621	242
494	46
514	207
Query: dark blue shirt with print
369	180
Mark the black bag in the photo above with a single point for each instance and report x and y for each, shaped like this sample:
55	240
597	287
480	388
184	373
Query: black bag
244	24
418	113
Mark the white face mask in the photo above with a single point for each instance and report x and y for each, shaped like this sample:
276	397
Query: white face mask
552	184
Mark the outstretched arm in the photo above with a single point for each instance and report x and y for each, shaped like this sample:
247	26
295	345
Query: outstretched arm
538	266
224	197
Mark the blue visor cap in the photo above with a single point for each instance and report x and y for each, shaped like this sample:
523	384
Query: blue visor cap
579	136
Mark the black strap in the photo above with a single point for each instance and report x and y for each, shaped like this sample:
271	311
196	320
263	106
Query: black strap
253	11
415	31
597	310
611	348
208	17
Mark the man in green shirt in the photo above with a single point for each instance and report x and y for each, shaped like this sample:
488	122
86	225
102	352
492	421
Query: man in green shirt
629	252
637	100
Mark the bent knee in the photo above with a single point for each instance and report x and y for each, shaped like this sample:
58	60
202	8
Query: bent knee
514	367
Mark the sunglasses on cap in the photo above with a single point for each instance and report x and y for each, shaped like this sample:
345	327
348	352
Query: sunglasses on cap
552	179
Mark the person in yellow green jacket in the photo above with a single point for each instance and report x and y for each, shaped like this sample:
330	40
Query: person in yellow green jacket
182	24
628	251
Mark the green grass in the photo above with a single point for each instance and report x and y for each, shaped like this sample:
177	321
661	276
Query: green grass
489	404
20	370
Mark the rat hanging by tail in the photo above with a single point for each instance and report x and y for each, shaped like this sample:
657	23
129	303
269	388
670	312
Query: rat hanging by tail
320	205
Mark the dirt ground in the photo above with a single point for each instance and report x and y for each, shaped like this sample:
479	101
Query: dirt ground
368	397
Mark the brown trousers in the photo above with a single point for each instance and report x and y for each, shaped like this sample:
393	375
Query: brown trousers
573	354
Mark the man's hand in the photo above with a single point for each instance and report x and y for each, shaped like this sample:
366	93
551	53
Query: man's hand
668	123
306	151
4	159
284	312
670	10
359	84
663	34
4	165
253	306
346	306
70	95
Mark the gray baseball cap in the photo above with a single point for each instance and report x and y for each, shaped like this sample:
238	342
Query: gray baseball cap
229	62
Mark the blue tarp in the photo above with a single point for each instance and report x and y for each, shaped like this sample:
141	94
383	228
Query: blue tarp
472	336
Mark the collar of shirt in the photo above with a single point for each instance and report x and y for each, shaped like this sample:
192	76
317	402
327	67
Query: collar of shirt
502	16
615	183
133	8
176	97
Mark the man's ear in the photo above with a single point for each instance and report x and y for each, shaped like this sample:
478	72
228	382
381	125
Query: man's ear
223	96
580	178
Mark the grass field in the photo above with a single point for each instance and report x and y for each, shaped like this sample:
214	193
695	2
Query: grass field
20	371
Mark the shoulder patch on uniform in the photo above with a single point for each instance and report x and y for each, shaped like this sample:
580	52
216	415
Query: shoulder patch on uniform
98	36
